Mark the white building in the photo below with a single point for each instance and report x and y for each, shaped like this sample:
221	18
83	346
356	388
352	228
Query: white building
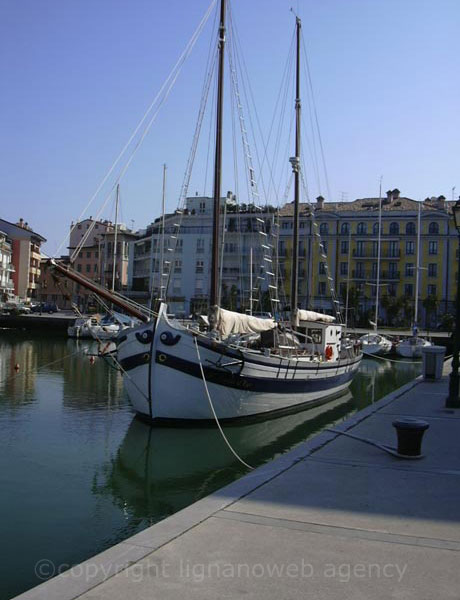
187	255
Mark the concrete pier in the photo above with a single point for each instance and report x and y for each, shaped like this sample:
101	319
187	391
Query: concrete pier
332	519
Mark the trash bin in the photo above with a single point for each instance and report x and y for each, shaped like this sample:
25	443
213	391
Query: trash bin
433	360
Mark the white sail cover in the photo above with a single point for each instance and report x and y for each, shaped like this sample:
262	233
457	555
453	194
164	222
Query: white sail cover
311	315
228	322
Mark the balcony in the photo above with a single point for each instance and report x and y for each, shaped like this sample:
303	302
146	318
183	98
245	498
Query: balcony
374	255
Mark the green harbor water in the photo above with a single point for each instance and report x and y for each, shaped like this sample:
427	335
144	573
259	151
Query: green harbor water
79	473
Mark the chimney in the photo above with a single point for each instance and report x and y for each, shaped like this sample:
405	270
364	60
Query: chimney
389	195
319	202
21	222
396	193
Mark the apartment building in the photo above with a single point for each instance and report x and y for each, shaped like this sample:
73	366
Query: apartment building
25	246
338	249
6	268
187	255
95	258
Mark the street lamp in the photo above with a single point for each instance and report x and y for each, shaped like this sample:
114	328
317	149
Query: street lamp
453	400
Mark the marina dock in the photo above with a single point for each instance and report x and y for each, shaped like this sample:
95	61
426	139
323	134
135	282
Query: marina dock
333	518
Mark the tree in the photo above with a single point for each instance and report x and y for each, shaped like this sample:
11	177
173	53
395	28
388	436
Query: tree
392	306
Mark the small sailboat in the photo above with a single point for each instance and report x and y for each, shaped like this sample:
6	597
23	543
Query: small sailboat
412	347
374	343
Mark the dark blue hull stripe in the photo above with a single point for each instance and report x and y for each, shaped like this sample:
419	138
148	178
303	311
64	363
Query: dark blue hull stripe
253	384
282	362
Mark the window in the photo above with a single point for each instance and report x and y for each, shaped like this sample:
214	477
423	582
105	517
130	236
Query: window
199	286
375	228
281	248
286	225
176	286
433	248
230	247
80	255
316	335
360	269
431	290
323	247
391	289
96	254
177	266
324	229
179	246
359	249
410	228
408	289
200	246
95	267
202	208
392	269
393	249
394	228
410	248
433	228
374	270
79	267
79	226
345	228
88	254
343	268
432	270
344	247
322	288
375	248
199	266
409	269
362	228
322	268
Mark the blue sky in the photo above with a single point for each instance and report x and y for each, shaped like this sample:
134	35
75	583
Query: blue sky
78	75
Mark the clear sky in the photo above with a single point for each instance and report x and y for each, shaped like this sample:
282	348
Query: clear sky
77	75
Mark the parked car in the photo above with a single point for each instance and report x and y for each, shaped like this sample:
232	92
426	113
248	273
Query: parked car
16	308
45	307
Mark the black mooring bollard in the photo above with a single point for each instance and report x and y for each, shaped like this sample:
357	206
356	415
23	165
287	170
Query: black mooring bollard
410	433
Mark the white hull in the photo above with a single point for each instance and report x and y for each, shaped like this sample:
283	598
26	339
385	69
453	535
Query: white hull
412	347
375	344
241	383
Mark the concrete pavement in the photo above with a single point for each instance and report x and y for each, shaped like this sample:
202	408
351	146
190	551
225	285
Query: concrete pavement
333	518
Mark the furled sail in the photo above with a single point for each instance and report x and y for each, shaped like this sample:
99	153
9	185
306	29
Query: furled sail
227	322
311	315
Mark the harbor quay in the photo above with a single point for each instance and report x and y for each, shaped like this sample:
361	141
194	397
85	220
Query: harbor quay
332	518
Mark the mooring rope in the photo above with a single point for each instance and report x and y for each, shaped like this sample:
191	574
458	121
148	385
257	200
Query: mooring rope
214	412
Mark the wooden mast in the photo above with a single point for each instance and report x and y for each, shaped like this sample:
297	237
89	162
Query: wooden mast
295	162
215	283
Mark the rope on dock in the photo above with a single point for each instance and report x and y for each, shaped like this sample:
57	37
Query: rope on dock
214	412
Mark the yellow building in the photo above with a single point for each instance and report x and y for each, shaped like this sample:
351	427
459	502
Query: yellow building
349	257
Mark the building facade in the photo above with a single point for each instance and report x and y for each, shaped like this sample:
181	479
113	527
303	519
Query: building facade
25	246
338	251
6	268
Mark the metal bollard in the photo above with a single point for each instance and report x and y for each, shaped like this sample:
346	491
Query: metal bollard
410	434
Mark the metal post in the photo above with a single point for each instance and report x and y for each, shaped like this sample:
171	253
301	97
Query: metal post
453	400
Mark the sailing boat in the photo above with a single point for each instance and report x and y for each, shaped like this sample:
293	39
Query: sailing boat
177	372
374	343
411	347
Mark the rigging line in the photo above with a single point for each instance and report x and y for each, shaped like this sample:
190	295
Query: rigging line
246	85
131	157
178	65
214	412
307	64
191	157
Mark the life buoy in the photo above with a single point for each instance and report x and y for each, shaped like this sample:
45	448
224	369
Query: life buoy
328	353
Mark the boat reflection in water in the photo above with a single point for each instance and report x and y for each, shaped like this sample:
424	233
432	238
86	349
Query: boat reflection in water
158	471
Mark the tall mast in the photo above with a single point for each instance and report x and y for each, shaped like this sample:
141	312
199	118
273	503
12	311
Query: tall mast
379	243
295	162
114	257
417	270
215	284
162	238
